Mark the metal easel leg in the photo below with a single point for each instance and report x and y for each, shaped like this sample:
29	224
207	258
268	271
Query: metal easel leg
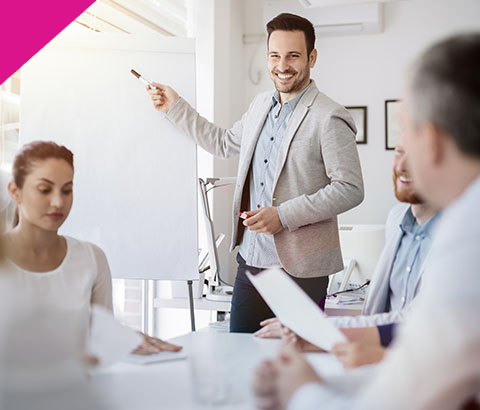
190	299
146	315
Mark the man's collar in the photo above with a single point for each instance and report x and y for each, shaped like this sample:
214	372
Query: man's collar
409	223
294	101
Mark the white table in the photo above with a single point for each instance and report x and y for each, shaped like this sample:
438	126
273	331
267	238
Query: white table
168	385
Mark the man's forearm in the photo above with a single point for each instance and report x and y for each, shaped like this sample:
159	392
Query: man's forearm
326	203
216	140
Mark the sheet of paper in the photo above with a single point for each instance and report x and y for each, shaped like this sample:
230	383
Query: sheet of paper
155	358
295	309
109	340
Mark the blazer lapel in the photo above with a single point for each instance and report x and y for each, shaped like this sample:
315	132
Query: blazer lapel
378	293
298	115
251	138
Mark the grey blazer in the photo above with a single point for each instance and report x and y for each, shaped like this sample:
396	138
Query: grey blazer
318	174
375	307
376	301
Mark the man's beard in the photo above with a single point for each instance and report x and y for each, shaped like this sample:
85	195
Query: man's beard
297	85
407	196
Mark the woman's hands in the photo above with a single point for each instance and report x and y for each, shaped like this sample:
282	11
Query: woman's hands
153	345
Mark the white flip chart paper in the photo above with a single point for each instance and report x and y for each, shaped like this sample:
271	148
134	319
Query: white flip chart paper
135	184
295	309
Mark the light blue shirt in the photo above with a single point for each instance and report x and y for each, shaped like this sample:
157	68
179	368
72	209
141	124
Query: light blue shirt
409	259
258	250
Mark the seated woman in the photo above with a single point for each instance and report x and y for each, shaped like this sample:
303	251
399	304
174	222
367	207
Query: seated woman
56	270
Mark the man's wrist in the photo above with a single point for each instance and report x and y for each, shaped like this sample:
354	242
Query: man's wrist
282	218
173	105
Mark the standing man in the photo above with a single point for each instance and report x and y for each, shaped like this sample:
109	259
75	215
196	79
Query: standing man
298	170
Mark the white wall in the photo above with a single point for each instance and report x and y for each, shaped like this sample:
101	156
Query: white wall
367	70
228	60
220	99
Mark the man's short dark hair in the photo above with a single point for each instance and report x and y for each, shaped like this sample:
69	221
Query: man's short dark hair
292	22
445	90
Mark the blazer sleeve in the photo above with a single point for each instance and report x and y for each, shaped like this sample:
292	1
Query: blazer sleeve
378	319
342	166
218	141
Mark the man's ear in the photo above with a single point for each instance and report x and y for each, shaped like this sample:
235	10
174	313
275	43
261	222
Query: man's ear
312	58
14	192
435	143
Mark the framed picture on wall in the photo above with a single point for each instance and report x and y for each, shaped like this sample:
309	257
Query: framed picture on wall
392	123
359	115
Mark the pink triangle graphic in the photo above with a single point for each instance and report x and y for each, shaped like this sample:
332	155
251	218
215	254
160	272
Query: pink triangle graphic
27	26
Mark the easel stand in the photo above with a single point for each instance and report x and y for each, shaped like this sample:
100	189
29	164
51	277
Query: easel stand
216	290
192	308
149	295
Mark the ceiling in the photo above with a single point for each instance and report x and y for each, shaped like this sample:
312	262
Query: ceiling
167	17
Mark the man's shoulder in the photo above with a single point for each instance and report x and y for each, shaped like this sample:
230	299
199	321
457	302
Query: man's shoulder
266	96
317	99
460	219
325	102
397	213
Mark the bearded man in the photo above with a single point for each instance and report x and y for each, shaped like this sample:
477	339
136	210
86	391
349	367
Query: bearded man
395	282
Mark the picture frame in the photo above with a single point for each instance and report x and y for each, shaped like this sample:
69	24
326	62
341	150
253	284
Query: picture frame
359	115
392	123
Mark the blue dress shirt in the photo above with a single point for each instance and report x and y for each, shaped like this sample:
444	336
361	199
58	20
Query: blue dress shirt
258	250
409	260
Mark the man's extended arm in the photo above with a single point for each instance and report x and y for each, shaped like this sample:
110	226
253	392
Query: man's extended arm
221	142
218	141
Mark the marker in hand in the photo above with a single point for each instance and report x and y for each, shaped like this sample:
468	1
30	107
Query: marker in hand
243	215
142	79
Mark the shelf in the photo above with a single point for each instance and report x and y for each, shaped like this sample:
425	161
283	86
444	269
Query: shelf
334	309
182	303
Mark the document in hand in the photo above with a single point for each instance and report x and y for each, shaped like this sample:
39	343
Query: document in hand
295	309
